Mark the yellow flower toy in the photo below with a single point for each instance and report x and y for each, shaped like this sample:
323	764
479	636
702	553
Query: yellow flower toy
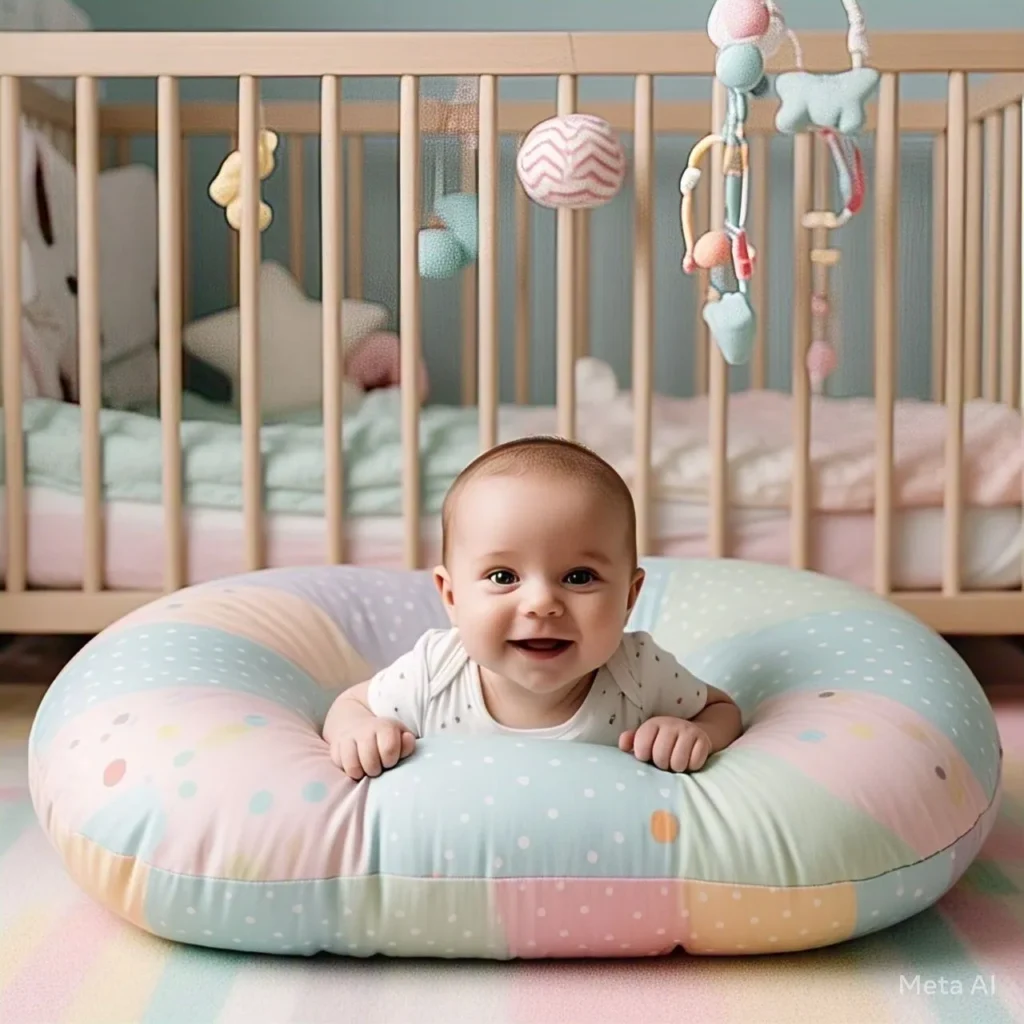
225	189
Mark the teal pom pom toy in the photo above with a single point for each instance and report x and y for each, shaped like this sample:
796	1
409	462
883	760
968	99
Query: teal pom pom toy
450	240
440	254
740	67
458	212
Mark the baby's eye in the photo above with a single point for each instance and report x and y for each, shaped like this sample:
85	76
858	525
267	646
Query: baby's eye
579	577
502	577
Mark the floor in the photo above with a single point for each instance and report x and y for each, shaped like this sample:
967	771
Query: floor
64	960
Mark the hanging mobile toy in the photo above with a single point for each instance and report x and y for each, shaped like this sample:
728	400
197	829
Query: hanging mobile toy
832	106
226	188
449	241
747	34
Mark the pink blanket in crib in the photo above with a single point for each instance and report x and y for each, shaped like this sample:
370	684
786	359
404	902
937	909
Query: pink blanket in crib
843	452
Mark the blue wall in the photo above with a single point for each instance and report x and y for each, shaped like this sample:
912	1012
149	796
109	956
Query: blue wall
612	226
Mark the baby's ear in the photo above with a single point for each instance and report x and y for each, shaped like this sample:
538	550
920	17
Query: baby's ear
443	582
634	588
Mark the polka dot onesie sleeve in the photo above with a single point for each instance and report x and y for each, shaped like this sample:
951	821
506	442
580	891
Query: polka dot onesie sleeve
668	688
401	690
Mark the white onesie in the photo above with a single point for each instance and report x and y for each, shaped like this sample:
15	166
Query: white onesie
435	688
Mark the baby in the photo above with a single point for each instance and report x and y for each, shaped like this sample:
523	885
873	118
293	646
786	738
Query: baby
539	576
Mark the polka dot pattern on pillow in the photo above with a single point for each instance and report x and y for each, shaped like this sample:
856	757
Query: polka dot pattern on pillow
177	766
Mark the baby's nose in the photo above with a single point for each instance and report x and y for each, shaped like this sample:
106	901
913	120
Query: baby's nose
541	599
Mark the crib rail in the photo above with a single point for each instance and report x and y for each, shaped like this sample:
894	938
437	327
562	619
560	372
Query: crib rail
376	118
977	288
54	115
424	54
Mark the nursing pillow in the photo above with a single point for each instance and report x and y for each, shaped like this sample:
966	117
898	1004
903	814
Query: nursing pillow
177	766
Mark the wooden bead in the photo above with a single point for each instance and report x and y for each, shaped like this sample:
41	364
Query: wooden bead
826	257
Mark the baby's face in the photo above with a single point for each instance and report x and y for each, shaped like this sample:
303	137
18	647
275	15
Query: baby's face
540	579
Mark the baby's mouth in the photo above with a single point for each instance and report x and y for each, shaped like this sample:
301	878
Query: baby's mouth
546	647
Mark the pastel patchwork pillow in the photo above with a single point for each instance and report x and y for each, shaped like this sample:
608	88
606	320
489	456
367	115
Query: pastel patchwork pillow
178	767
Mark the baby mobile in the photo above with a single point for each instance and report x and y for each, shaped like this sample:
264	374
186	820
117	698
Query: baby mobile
226	188
450	240
748	33
575	161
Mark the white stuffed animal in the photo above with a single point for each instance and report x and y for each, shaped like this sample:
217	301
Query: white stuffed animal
291	346
41	344
127	265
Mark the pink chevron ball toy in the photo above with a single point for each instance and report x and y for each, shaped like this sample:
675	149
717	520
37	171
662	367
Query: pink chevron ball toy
575	160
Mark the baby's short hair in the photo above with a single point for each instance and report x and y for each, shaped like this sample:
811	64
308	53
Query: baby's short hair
542	454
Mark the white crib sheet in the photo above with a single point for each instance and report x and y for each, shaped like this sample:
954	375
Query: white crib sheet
842	543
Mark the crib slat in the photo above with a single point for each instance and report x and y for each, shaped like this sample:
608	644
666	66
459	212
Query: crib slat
565	328
233	242
820	272
10	307
296	206
523	269
887	207
939	209
702	340
760	158
718	369
582	313
409	292
487	262
800	541
470	304
332	278
1009	369
972	263
956	144
249	248
993	254
643	306
355	157
185	163
87	160
170	232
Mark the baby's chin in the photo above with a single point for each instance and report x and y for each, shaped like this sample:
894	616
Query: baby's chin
544	675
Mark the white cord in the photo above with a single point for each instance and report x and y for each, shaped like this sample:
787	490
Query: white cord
775	14
857	38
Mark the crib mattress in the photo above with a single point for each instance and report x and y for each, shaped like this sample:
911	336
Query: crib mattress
760	455
843	462
842	543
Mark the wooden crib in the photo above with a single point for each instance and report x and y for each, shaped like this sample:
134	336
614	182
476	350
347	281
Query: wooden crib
976	293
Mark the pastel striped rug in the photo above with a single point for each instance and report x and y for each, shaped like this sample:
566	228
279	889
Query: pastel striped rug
64	960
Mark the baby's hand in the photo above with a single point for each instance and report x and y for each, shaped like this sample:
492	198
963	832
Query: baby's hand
370	746
672	744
